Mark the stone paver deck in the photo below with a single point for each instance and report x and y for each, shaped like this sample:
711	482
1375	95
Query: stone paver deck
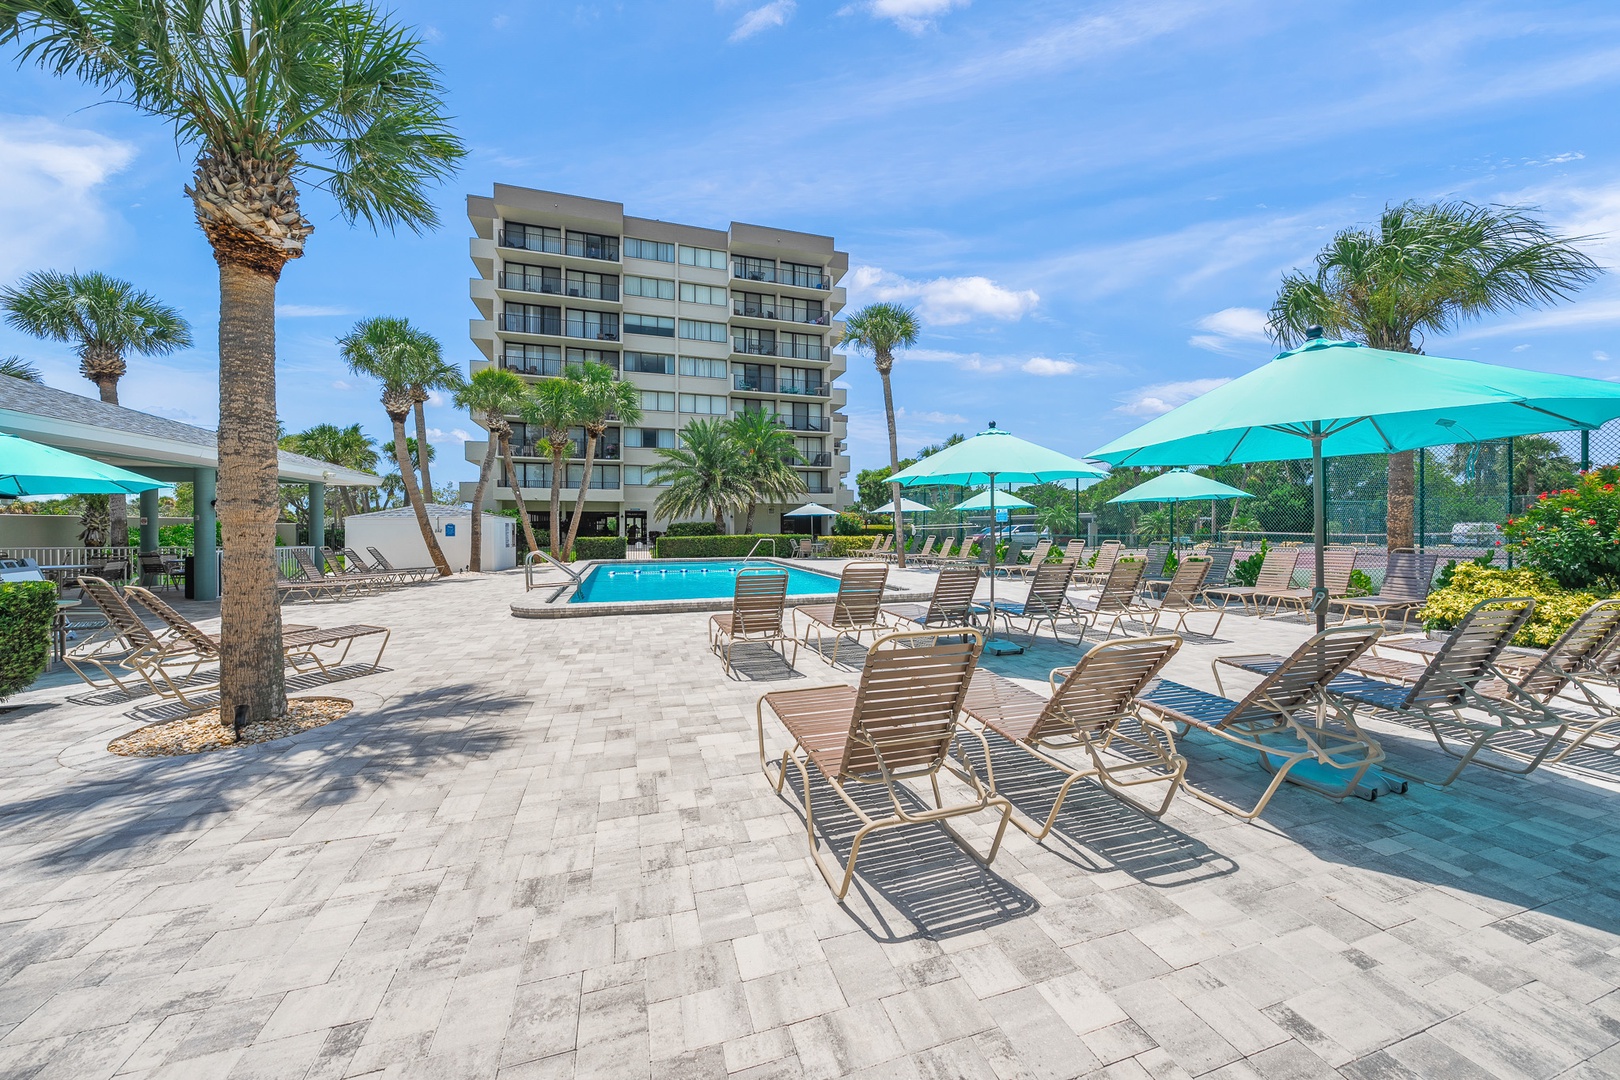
544	849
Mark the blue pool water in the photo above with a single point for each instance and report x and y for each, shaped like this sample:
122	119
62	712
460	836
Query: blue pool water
670	580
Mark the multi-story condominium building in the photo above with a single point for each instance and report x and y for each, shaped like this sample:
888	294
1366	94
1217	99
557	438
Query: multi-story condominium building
704	323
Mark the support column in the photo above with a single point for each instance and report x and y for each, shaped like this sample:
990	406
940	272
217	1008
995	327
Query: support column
149	525
204	549
317	518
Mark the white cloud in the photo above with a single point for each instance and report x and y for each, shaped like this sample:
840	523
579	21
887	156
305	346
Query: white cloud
339	384
912	16
946	301
1230	330
966	361
929	417
1160	398
765	17
1520	348
1041	365
454	434
1570	316
52	213
1600	356
309	311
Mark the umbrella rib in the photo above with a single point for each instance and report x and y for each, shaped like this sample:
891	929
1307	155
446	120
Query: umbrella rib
1388	446
1558	416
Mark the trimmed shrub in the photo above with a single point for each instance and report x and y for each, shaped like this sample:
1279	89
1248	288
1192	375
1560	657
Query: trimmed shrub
723	547
691	528
27	610
1470	583
599	547
847	525
879	530
844	547
1246	572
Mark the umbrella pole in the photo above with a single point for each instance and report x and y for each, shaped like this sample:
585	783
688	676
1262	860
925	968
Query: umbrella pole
1319	497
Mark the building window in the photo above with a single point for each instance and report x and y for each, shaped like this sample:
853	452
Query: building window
596	325
533	359
704	404
649	249
702	368
657	401
532	238
651	287
703	294
705	257
699	330
540	279
586	245
657	325
593	286
581	357
803	275
531	319
649	438
649	363
751	269
800	346
645	475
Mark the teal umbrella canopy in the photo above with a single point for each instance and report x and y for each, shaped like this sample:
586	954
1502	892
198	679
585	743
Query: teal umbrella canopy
1360	400
1179	485
1005	500
992	457
30	468
907	506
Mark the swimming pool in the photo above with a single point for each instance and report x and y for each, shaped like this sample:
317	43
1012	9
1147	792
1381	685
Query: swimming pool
706	579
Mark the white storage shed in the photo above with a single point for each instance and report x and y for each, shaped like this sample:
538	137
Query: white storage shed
396	534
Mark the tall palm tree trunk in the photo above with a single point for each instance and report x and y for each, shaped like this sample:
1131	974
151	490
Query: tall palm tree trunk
748	522
251	686
117	507
559	466
584	490
517	490
422	449
413	496
884	362
476	563
1401	500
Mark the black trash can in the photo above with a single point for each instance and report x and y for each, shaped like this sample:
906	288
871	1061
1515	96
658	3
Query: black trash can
191	577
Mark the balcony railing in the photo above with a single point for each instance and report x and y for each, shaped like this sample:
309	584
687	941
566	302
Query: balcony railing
781	313
514	323
530	283
781	276
769	384
607	452
554	368
817	461
527	241
593	331
808	490
795	423
606	248
787	350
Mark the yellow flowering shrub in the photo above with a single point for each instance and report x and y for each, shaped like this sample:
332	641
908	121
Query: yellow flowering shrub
842	547
1556	608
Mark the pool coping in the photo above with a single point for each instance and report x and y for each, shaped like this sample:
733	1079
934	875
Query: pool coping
537	606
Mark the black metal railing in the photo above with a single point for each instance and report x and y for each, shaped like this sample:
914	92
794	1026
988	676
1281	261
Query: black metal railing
817	461
780	312
781	275
578	328
605	248
536	283
516	323
524	240
787	350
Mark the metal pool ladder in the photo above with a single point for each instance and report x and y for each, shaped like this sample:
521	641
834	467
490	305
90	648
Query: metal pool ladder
771	540
528	569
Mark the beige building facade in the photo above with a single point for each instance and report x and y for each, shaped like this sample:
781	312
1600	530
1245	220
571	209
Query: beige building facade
704	323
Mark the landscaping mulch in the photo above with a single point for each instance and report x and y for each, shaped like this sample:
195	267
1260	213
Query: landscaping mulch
201	733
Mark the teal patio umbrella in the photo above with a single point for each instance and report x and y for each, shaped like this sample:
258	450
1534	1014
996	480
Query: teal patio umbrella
812	511
30	468
907	506
1002	500
991	457
1336	398
1177	486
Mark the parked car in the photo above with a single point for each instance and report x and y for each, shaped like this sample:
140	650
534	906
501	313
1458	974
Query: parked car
1023	534
1476	534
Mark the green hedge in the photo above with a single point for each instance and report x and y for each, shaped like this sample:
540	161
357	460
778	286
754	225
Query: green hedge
878	530
691	528
842	547
599	547
724	547
27	609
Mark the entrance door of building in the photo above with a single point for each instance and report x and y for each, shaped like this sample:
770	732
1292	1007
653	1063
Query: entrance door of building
635	526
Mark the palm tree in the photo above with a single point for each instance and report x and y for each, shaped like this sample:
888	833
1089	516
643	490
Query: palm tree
104	318
767	453
879	329
553	406
602	399
15	367
391	350
707	476
268	93
346	446
432	373
1427	268
490	395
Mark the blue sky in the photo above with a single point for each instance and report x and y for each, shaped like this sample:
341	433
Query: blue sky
1089	203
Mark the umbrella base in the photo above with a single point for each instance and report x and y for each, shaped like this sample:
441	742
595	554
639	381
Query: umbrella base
1002	647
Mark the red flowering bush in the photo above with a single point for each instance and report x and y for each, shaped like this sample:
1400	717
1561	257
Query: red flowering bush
1573	535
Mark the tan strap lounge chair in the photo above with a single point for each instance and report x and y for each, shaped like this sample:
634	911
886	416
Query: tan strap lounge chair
857	610
1037	557
1408	577
1118	596
1108	554
349	583
938	558
1046	604
758	613
1185	596
128	649
382	564
899	724
951	605
1337	565
1276	576
1073	552
1288	720
1085	709
353	560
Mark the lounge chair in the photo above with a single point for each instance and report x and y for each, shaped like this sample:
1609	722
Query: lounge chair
805	549
1154	561
1047	603
346	582
384	566
1276	575
924	554
1337	565
899	724
758	607
128	649
1118	596
1098	571
1288	720
161	568
1073	552
1408	578
1183	596
1037	558
940	557
857	610
349	569
353	560
951	605
1085	710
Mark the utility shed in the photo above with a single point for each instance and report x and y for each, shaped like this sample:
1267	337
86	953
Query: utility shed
397	535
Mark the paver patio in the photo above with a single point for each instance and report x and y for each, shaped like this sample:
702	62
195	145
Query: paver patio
544	849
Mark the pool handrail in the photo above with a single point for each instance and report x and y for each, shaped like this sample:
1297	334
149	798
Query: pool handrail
771	540
528	569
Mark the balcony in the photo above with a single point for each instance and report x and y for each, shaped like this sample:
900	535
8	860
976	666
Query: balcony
587	246
817	461
796	423
516	323
768	384
519	282
823	490
787	350
781	275
554	368
578	328
604	452
525	240
781	313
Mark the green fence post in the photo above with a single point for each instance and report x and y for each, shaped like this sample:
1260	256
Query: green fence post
1586	450
1423	508
1509	547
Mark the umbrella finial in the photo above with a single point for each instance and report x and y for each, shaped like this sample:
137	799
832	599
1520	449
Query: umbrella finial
992	425
1313	332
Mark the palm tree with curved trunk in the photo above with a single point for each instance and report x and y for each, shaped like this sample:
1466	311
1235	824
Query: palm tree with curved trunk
104	318
1425	269
392	351
268	94
489	396
15	367
879	329
553	406
767	453
346	446
707	476
602	399
433	373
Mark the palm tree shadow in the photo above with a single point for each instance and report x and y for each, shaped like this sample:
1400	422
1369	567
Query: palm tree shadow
913	882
